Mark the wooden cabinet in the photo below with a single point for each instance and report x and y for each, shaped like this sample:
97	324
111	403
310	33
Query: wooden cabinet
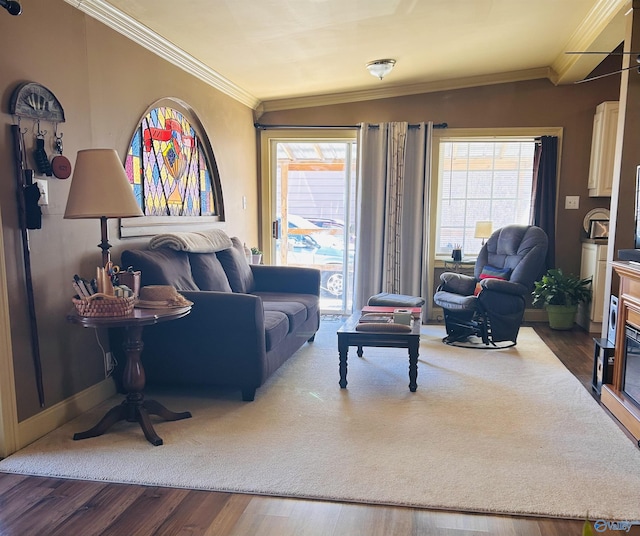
593	264
614	396
603	144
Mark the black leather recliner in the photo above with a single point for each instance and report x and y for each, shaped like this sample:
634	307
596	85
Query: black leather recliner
491	304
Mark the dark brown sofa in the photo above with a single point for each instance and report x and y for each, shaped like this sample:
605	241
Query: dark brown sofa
245	322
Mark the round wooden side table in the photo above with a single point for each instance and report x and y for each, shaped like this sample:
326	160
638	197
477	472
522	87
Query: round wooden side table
134	408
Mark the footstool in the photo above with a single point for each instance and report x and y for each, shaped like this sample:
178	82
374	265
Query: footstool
386	299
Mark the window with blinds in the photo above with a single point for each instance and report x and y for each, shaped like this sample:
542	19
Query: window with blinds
481	179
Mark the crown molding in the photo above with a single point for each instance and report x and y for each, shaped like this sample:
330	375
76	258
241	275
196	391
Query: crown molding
140	34
603	27
401	91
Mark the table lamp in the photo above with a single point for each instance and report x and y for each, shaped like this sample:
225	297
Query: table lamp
483	230
100	189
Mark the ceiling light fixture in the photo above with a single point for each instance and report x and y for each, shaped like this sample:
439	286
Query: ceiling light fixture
380	68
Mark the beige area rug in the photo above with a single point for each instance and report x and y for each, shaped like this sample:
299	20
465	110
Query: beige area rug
509	431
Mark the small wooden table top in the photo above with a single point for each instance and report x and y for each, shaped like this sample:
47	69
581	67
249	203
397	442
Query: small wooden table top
349	336
139	317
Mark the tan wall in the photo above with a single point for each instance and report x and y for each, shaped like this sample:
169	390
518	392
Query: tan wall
523	104
104	83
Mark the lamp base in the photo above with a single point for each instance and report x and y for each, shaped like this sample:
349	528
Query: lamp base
104	244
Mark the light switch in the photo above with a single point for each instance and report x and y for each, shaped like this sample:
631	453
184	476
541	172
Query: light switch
43	186
572	202
244	202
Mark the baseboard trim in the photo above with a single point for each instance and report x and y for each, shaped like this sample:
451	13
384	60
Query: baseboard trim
535	315
51	418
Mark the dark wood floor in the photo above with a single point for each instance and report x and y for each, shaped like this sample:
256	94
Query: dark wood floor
49	506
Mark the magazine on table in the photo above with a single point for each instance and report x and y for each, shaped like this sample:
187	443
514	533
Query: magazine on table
377	318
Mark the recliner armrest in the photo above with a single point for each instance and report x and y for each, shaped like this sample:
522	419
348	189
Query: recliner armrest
506	287
457	283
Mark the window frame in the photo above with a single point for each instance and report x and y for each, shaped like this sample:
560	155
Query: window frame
473	134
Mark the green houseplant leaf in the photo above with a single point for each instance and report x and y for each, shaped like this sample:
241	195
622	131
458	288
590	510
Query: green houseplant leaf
557	288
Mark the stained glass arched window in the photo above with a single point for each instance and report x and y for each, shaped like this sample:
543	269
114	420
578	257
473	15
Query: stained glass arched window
172	169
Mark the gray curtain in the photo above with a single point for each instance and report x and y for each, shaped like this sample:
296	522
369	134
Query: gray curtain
392	211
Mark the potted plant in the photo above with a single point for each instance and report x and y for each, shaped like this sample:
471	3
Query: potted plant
256	256
560	294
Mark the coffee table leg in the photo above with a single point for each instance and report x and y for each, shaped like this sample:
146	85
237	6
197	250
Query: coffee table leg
343	349
413	366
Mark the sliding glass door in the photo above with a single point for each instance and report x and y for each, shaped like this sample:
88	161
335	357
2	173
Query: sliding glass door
312	185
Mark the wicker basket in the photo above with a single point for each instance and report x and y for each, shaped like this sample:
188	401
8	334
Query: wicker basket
104	305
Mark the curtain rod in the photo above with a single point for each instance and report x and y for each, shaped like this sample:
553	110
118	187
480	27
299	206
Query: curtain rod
260	126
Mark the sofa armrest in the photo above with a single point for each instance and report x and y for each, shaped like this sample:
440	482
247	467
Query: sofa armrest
232	324
226	307
295	279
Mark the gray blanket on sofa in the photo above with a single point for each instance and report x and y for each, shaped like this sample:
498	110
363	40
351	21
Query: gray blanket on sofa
208	241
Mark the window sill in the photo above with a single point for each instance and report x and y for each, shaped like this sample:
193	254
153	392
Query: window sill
441	262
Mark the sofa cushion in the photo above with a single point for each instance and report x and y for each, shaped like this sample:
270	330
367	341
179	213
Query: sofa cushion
276	326
298	307
295	311
208	273
236	267
161	266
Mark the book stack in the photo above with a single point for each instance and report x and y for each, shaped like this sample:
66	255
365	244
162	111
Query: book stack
384	320
385	310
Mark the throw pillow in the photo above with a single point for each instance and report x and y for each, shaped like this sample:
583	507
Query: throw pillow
208	273
236	267
161	266
491	272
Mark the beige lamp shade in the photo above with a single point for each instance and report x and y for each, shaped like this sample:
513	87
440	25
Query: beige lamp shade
100	187
483	229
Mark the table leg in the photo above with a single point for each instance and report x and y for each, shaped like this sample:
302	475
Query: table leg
147	427
155	408
343	349
413	365
115	414
134	408
133	377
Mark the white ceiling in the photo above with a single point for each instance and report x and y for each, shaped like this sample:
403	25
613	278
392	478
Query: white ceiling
275	54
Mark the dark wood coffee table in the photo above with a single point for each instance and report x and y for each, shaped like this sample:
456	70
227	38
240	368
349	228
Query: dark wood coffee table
348	336
134	408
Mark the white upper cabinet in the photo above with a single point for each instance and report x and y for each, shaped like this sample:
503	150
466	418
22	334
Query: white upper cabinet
603	144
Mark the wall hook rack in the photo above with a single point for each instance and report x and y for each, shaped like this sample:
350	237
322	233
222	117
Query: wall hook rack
40	134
